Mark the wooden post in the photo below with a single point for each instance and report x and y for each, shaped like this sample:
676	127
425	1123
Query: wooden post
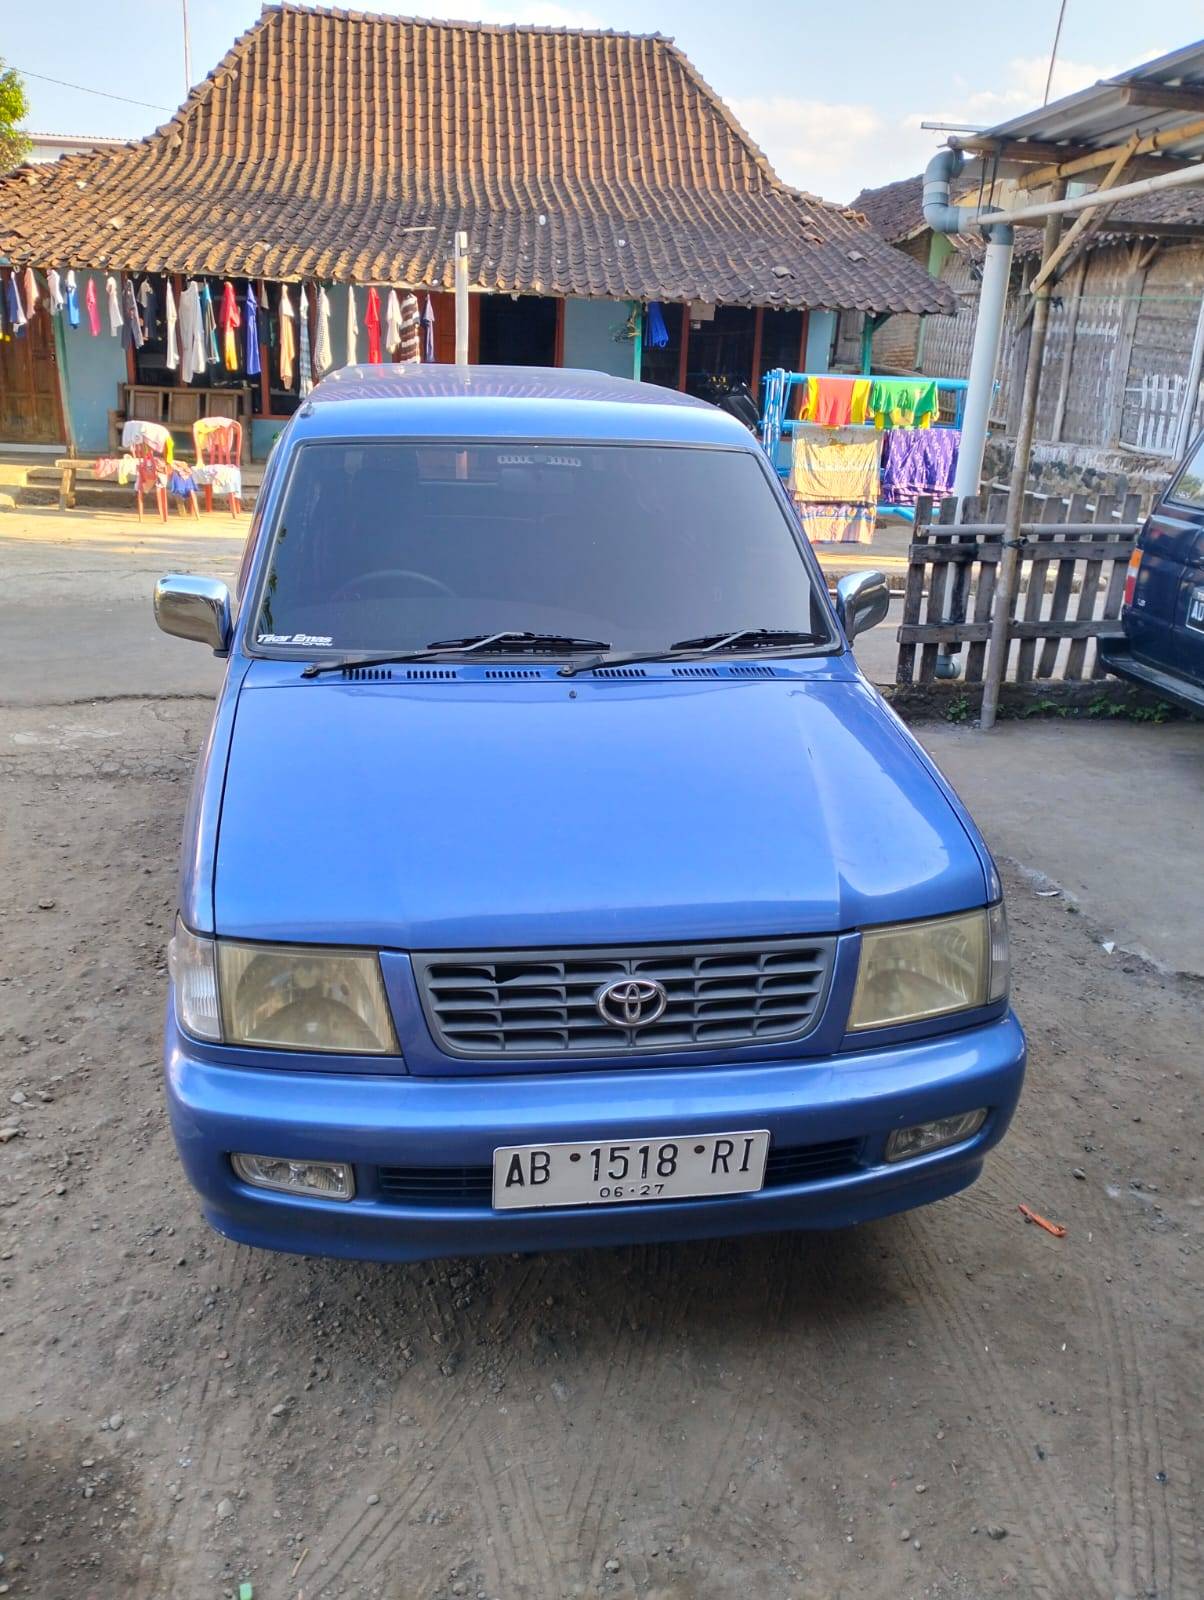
1005	591
461	273
685	347
758	331
1072	324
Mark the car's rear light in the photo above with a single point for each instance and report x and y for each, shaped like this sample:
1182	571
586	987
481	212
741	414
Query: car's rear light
1131	577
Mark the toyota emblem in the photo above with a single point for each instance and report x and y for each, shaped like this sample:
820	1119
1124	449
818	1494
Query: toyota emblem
632	1002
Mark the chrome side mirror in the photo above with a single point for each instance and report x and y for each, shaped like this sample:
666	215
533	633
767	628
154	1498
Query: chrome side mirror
862	600
194	608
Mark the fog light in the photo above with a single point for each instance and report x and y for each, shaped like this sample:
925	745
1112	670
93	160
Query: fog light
325	1180
918	1141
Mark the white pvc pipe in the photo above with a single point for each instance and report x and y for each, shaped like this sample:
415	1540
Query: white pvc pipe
988	331
461	266
970	216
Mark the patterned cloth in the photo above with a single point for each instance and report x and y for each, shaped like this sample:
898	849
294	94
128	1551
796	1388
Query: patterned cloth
835	464
428	331
323	349
840	523
919	461
220	475
305	367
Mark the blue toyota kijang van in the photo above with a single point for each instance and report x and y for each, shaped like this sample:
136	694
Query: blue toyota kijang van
1163	610
552	876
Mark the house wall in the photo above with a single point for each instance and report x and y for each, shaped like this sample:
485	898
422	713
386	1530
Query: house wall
897	342
589	337
821	336
93	369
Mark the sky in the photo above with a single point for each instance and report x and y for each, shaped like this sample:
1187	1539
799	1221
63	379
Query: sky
834	93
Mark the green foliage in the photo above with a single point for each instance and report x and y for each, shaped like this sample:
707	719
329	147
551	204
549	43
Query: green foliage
958	710
14	108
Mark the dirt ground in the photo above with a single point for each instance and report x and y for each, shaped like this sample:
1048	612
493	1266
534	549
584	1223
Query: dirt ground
951	1404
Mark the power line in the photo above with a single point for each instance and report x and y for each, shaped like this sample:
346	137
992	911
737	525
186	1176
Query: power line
84	89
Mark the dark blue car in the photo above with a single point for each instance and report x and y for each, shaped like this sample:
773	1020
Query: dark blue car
552	876
1163	610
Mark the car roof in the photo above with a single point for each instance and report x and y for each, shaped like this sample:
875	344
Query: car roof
444	401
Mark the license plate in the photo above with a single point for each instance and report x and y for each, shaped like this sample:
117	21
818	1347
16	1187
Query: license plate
1195	609
636	1171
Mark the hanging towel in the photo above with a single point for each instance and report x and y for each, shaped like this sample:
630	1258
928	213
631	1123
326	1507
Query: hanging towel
29	285
409	344
919	461
133	334
12	304
840	523
656	335
54	292
428	331
250	323
903	402
392	336
213	357
835	464
835	401
323	354
113	306
372	324
288	339
91	307
169	324
192	334
72	301
305	370
230	319
148	304
353	329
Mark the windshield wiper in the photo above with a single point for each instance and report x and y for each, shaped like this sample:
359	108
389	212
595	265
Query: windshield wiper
707	644
506	640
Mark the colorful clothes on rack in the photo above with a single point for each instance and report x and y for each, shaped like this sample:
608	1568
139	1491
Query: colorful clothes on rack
133	334
288	339
91	307
919	461
839	523
113	306
372	324
835	401
835	464
250	322
903	402
230	319
353	329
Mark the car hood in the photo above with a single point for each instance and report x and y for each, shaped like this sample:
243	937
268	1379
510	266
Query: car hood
493	814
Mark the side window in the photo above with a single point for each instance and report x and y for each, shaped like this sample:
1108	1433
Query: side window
248	549
1189	491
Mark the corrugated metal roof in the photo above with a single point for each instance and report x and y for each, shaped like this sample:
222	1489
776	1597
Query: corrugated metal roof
1104	115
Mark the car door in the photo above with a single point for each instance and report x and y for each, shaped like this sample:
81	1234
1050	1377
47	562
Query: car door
1165	622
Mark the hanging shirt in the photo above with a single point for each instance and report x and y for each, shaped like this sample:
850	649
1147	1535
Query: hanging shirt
54	292
305	373
91	307
288	339
192	334
372	324
209	327
353	329
428	331
169	321
133	334
148	304
12	304
323	353
392	336
250	322
902	402
835	401
409	347
113	306
30	286
72	301
231	320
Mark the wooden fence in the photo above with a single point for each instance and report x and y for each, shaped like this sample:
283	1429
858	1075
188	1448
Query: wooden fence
1069	589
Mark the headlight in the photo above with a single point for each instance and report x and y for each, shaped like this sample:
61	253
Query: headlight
295	998
927	969
282	997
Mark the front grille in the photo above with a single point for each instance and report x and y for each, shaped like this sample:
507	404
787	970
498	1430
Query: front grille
472	1187
543	1002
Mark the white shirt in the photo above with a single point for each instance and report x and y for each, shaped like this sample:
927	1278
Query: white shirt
114	305
353	329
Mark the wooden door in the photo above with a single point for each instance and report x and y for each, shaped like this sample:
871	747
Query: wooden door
444	307
30	405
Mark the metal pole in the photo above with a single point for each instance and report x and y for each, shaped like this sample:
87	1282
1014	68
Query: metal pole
187	51
461	263
988	331
1192	393
1005	585
1053	54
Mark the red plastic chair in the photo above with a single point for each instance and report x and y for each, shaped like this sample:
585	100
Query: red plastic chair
218	443
150	473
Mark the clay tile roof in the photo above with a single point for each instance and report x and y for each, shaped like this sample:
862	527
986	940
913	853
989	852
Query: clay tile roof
348	147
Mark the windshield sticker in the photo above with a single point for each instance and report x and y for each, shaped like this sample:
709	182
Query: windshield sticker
317	641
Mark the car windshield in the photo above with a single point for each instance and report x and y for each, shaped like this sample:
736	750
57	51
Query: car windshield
393	545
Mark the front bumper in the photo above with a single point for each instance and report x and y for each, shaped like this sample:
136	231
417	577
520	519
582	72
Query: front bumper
376	1121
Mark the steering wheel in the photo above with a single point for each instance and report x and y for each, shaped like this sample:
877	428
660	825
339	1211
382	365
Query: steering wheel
351	590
